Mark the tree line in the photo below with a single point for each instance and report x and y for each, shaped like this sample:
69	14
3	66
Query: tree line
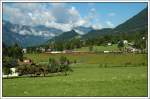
54	66
10	57
102	40
13	54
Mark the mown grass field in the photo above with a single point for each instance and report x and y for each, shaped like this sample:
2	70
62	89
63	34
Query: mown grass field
124	75
100	48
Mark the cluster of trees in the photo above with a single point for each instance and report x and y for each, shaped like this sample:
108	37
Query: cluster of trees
10	57
141	41
65	44
78	42
53	66
33	49
14	51
100	40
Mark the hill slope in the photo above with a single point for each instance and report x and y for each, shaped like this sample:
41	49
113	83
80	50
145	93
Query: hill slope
25	35
96	33
65	36
137	23
11	35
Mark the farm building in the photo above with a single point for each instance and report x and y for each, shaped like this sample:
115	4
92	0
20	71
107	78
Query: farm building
49	50
13	73
42	49
56	52
107	51
133	50
125	41
27	61
109	44
67	51
24	50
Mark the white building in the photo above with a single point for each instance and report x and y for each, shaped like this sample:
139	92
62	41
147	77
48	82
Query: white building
42	49
106	51
109	44
133	50
13	73
24	50
55	52
49	50
125	41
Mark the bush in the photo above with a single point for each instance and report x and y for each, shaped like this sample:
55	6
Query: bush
59	66
6	70
53	67
9	62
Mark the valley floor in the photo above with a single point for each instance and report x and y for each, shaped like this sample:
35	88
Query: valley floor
124	75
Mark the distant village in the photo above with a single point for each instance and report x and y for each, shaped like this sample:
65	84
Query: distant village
129	49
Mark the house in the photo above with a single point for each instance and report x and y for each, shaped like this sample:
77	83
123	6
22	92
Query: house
42	49
106	51
67	51
133	50
125	42
109	44
55	52
13	73
27	61
24	50
49	50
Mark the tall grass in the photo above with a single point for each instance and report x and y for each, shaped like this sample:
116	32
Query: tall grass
88	79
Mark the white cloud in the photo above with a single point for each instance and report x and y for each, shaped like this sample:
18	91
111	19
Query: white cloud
55	15
80	32
109	24
62	26
96	26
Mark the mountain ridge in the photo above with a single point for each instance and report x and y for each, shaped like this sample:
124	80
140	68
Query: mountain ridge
137	23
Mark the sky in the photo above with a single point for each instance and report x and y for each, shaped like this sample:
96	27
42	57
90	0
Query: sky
66	16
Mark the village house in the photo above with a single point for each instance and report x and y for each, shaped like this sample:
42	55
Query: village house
109	44
133	50
27	61
125	42
56	52
67	51
49	50
24	50
13	73
42	49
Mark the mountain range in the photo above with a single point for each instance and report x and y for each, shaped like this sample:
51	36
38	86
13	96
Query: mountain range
137	23
32	36
27	36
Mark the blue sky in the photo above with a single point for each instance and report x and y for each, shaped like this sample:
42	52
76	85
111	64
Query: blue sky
65	16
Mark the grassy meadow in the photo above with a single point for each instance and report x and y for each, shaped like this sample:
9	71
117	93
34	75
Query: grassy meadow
100	48
93	75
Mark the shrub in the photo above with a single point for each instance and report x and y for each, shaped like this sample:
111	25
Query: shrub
53	66
6	70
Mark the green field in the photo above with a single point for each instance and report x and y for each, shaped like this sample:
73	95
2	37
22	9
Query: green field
93	75
100	48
